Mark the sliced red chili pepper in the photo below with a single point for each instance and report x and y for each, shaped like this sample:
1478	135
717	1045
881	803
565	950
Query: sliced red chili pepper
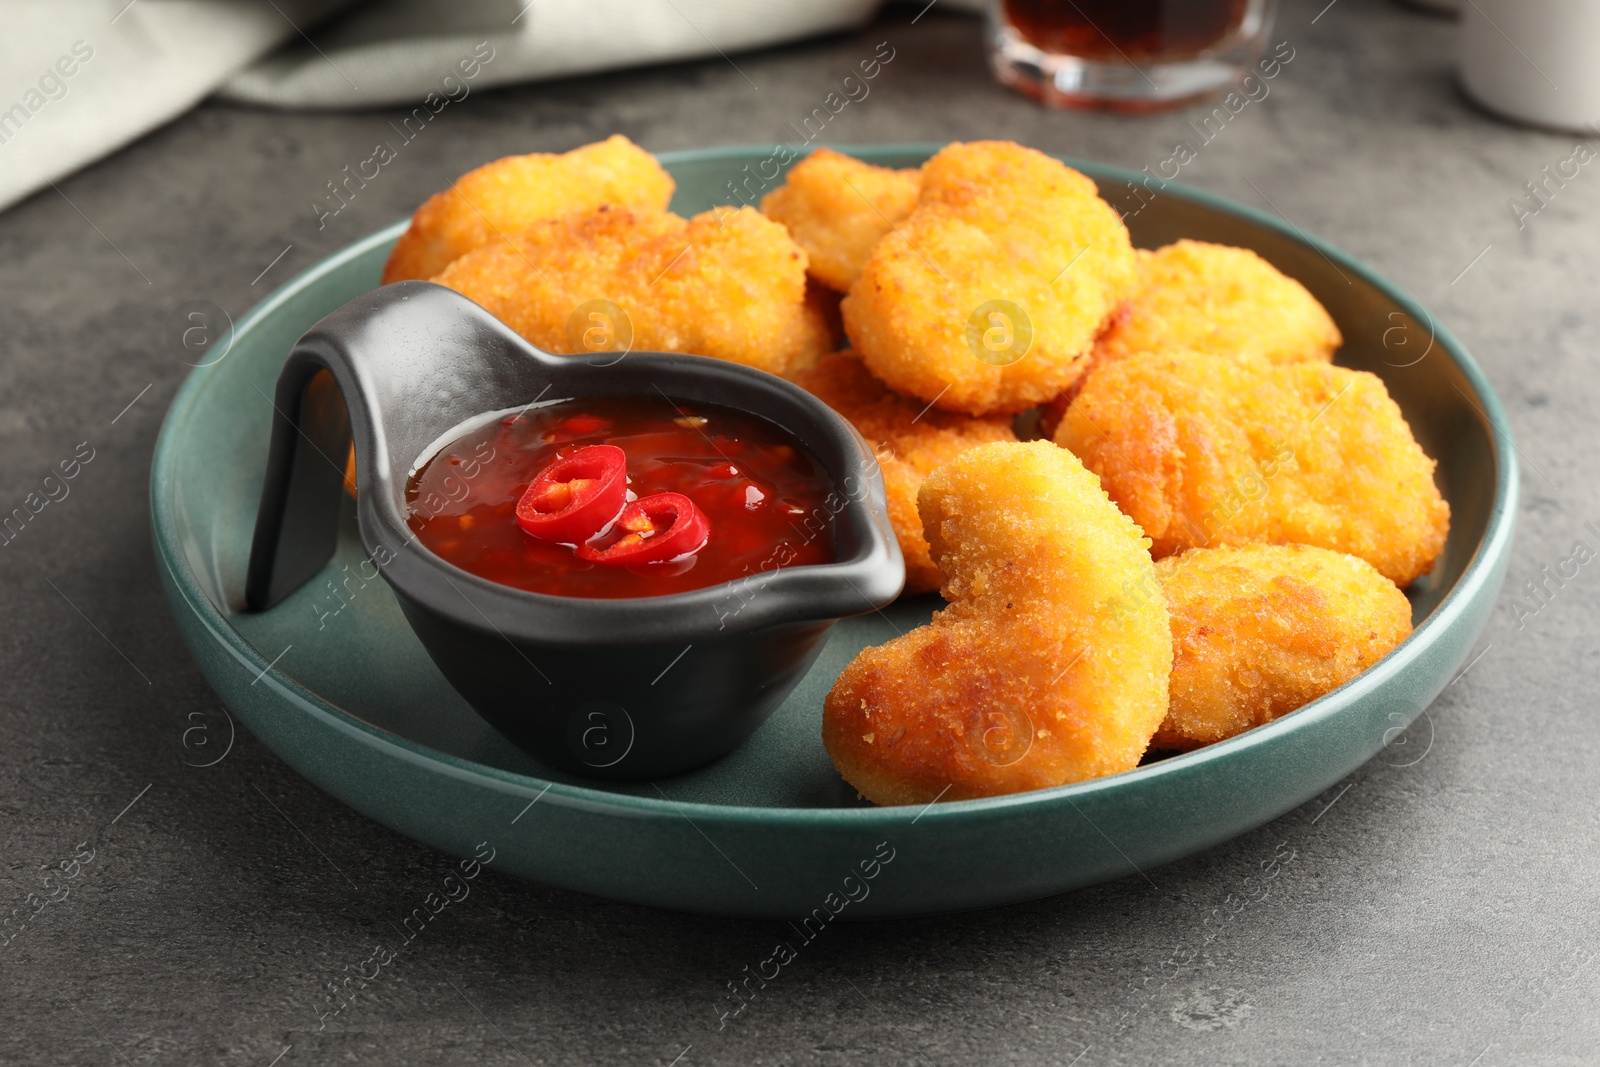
575	497
654	529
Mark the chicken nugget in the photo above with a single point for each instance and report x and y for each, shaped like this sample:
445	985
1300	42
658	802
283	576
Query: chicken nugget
1260	630
838	208
727	283
910	442
988	297
1206	450
1050	664
502	198
1199	297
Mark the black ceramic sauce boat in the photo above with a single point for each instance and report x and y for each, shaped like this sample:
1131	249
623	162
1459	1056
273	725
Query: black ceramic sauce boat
627	688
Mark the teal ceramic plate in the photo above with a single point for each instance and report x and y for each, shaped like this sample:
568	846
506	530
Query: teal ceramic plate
335	683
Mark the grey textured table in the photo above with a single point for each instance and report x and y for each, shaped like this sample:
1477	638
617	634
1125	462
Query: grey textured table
1439	906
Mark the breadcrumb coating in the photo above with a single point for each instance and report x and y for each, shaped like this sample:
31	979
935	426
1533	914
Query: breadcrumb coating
988	297
1049	665
500	199
911	441
1203	450
839	208
1260	630
727	283
1199	297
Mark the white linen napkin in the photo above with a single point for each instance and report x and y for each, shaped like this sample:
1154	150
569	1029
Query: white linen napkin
395	52
81	78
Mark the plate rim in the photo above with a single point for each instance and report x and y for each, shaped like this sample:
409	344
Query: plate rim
1480	567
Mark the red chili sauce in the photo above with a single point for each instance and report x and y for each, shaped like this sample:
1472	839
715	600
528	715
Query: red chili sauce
764	497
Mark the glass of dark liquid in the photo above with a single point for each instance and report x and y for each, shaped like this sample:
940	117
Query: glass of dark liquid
1129	55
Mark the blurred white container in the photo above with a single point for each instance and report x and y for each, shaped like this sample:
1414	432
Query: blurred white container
1533	60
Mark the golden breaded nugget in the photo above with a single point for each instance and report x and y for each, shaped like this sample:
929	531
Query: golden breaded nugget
1052	411
1049	666
500	199
1260	630
1198	297
1212	450
838	208
988	297
729	284
910	443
